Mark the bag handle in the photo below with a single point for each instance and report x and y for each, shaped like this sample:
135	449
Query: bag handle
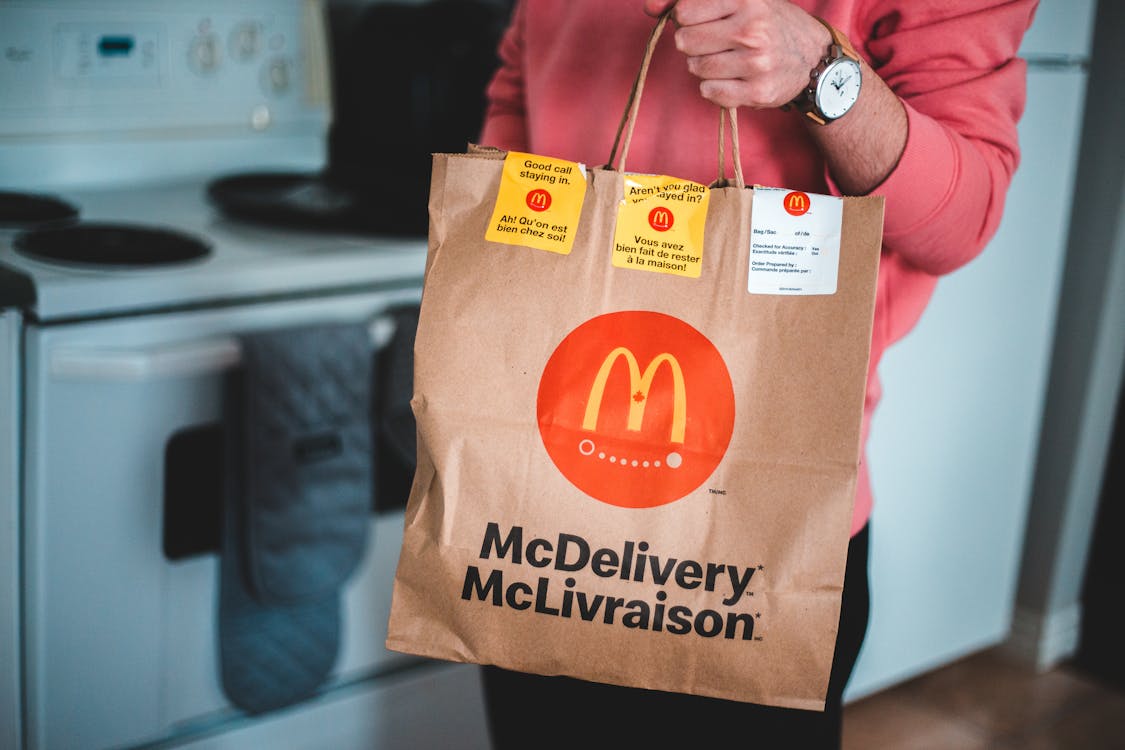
629	117
736	158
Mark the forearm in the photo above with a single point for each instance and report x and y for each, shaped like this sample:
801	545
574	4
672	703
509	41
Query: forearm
505	119
943	154
863	147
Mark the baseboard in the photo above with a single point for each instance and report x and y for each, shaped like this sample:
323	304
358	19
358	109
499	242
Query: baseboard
1044	640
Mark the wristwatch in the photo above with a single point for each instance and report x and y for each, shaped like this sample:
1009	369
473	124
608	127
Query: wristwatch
833	84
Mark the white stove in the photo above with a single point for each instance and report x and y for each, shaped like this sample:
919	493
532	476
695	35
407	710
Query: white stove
237	260
122	321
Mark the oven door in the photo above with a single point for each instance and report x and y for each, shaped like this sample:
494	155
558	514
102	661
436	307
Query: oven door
121	607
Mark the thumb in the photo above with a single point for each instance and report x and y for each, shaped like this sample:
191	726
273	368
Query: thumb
656	7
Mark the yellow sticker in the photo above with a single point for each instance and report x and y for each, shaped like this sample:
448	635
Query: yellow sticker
660	225
539	202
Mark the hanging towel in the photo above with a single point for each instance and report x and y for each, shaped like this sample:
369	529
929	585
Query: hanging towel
299	477
396	435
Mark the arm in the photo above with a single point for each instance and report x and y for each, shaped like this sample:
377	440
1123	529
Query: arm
863	147
934	128
505	119
758	54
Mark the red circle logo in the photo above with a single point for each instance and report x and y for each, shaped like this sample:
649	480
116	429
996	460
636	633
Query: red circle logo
796	203
636	408
539	200
661	218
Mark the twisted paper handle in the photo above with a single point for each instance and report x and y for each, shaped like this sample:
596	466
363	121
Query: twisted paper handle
629	117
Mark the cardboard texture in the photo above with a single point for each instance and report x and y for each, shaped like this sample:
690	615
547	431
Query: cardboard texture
527	548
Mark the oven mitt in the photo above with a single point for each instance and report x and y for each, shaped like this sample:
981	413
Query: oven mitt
397	428
297	510
307	458
270	655
396	435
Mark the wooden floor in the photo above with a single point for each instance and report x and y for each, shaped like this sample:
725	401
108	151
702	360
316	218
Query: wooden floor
987	701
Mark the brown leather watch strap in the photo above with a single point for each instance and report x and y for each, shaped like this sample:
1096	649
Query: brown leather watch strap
804	101
840	39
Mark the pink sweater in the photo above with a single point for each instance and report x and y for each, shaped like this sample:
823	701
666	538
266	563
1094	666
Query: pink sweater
567	67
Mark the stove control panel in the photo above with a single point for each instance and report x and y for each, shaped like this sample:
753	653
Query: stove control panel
88	52
81	68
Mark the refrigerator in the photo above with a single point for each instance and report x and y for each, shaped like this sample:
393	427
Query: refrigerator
954	441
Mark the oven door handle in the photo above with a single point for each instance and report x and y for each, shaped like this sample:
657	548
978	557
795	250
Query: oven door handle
142	363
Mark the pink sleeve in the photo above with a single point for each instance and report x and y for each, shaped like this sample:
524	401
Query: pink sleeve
954	65
505	123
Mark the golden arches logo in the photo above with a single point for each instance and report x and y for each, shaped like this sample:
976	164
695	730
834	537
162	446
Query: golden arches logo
661	219
796	203
639	385
538	200
633	436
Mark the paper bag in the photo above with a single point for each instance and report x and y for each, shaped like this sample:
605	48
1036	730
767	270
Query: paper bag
638	406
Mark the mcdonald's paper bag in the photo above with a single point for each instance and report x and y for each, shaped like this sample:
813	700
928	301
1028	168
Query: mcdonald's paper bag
638	402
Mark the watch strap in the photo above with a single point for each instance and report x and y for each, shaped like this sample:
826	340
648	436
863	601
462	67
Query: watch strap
840	46
839	39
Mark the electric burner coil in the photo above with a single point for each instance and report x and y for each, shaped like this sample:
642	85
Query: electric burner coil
113	245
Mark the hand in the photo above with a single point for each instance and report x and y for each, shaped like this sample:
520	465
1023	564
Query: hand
746	53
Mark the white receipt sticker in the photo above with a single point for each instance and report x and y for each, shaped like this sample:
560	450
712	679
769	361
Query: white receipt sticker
794	242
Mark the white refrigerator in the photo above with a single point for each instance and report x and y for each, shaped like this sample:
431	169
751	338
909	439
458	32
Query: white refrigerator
953	444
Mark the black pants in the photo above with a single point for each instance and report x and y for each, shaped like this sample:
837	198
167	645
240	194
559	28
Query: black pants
529	711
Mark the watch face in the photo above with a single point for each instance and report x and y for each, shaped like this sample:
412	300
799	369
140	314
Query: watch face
838	88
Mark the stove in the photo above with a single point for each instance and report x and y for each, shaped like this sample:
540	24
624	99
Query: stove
30	210
128	300
165	246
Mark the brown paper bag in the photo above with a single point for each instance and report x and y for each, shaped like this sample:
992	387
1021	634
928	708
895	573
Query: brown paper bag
628	473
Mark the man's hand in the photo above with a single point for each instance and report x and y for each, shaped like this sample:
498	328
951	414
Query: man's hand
759	53
747	53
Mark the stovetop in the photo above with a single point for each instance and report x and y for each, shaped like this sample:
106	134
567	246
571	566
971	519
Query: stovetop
192	255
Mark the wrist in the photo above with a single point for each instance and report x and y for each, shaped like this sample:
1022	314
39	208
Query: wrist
834	80
817	51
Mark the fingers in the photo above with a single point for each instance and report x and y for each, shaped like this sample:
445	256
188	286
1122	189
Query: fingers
729	93
692	12
715	36
759	92
734	60
730	87
753	53
728	64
